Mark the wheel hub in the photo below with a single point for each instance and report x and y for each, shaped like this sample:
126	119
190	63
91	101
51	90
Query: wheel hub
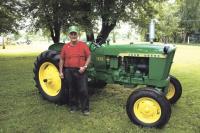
49	78
171	91
147	110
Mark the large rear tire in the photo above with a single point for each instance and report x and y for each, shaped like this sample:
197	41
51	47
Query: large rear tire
148	107
47	79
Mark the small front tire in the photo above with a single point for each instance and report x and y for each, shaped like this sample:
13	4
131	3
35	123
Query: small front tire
148	107
174	90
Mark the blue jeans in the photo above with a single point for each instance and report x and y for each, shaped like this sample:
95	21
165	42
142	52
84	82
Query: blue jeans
78	89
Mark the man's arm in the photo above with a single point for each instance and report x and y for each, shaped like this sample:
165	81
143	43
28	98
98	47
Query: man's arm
88	61
82	69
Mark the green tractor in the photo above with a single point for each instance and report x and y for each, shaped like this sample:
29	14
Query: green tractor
147	65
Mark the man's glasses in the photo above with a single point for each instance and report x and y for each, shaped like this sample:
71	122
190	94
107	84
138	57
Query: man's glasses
73	34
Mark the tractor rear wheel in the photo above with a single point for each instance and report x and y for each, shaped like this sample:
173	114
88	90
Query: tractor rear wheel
174	90
47	79
148	107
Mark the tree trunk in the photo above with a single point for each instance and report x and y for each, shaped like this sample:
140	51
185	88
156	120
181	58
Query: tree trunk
87	22
55	34
55	25
174	36
186	35
3	45
89	29
90	36
114	37
105	31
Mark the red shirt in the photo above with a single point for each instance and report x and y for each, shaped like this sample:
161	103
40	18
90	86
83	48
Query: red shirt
75	55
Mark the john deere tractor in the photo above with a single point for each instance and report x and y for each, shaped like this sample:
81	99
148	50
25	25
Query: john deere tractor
147	65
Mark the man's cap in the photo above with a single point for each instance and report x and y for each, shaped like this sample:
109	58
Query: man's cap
73	29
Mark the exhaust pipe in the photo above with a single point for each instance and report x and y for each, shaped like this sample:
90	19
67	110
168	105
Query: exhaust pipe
152	30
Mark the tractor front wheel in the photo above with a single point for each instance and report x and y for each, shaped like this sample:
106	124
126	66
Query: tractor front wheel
174	90
47	79
148	107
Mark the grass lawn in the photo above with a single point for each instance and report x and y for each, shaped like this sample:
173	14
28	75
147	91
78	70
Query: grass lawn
22	110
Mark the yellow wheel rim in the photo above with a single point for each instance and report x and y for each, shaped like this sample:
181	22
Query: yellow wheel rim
49	79
147	110
171	91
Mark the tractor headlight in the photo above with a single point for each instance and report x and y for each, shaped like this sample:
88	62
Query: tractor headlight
168	48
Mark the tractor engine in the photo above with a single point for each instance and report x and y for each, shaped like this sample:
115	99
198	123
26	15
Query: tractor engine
134	64
127	67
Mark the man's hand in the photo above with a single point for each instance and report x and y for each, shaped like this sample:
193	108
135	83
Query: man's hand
61	75
82	69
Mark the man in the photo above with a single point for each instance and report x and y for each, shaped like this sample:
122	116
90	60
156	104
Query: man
74	59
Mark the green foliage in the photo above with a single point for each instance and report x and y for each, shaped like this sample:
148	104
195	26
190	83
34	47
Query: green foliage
54	16
47	15
57	15
23	110
190	19
176	20
168	21
9	14
113	11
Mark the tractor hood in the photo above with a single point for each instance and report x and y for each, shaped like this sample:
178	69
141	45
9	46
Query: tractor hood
139	50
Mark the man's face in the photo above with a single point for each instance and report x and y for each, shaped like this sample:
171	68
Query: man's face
73	36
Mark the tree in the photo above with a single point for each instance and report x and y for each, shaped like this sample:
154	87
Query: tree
56	15
10	14
46	15
112	11
190	19
140	14
168	21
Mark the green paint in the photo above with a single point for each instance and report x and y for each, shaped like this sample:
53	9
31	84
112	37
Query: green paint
145	64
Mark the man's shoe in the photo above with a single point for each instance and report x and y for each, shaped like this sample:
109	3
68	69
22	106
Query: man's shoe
86	112
73	109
